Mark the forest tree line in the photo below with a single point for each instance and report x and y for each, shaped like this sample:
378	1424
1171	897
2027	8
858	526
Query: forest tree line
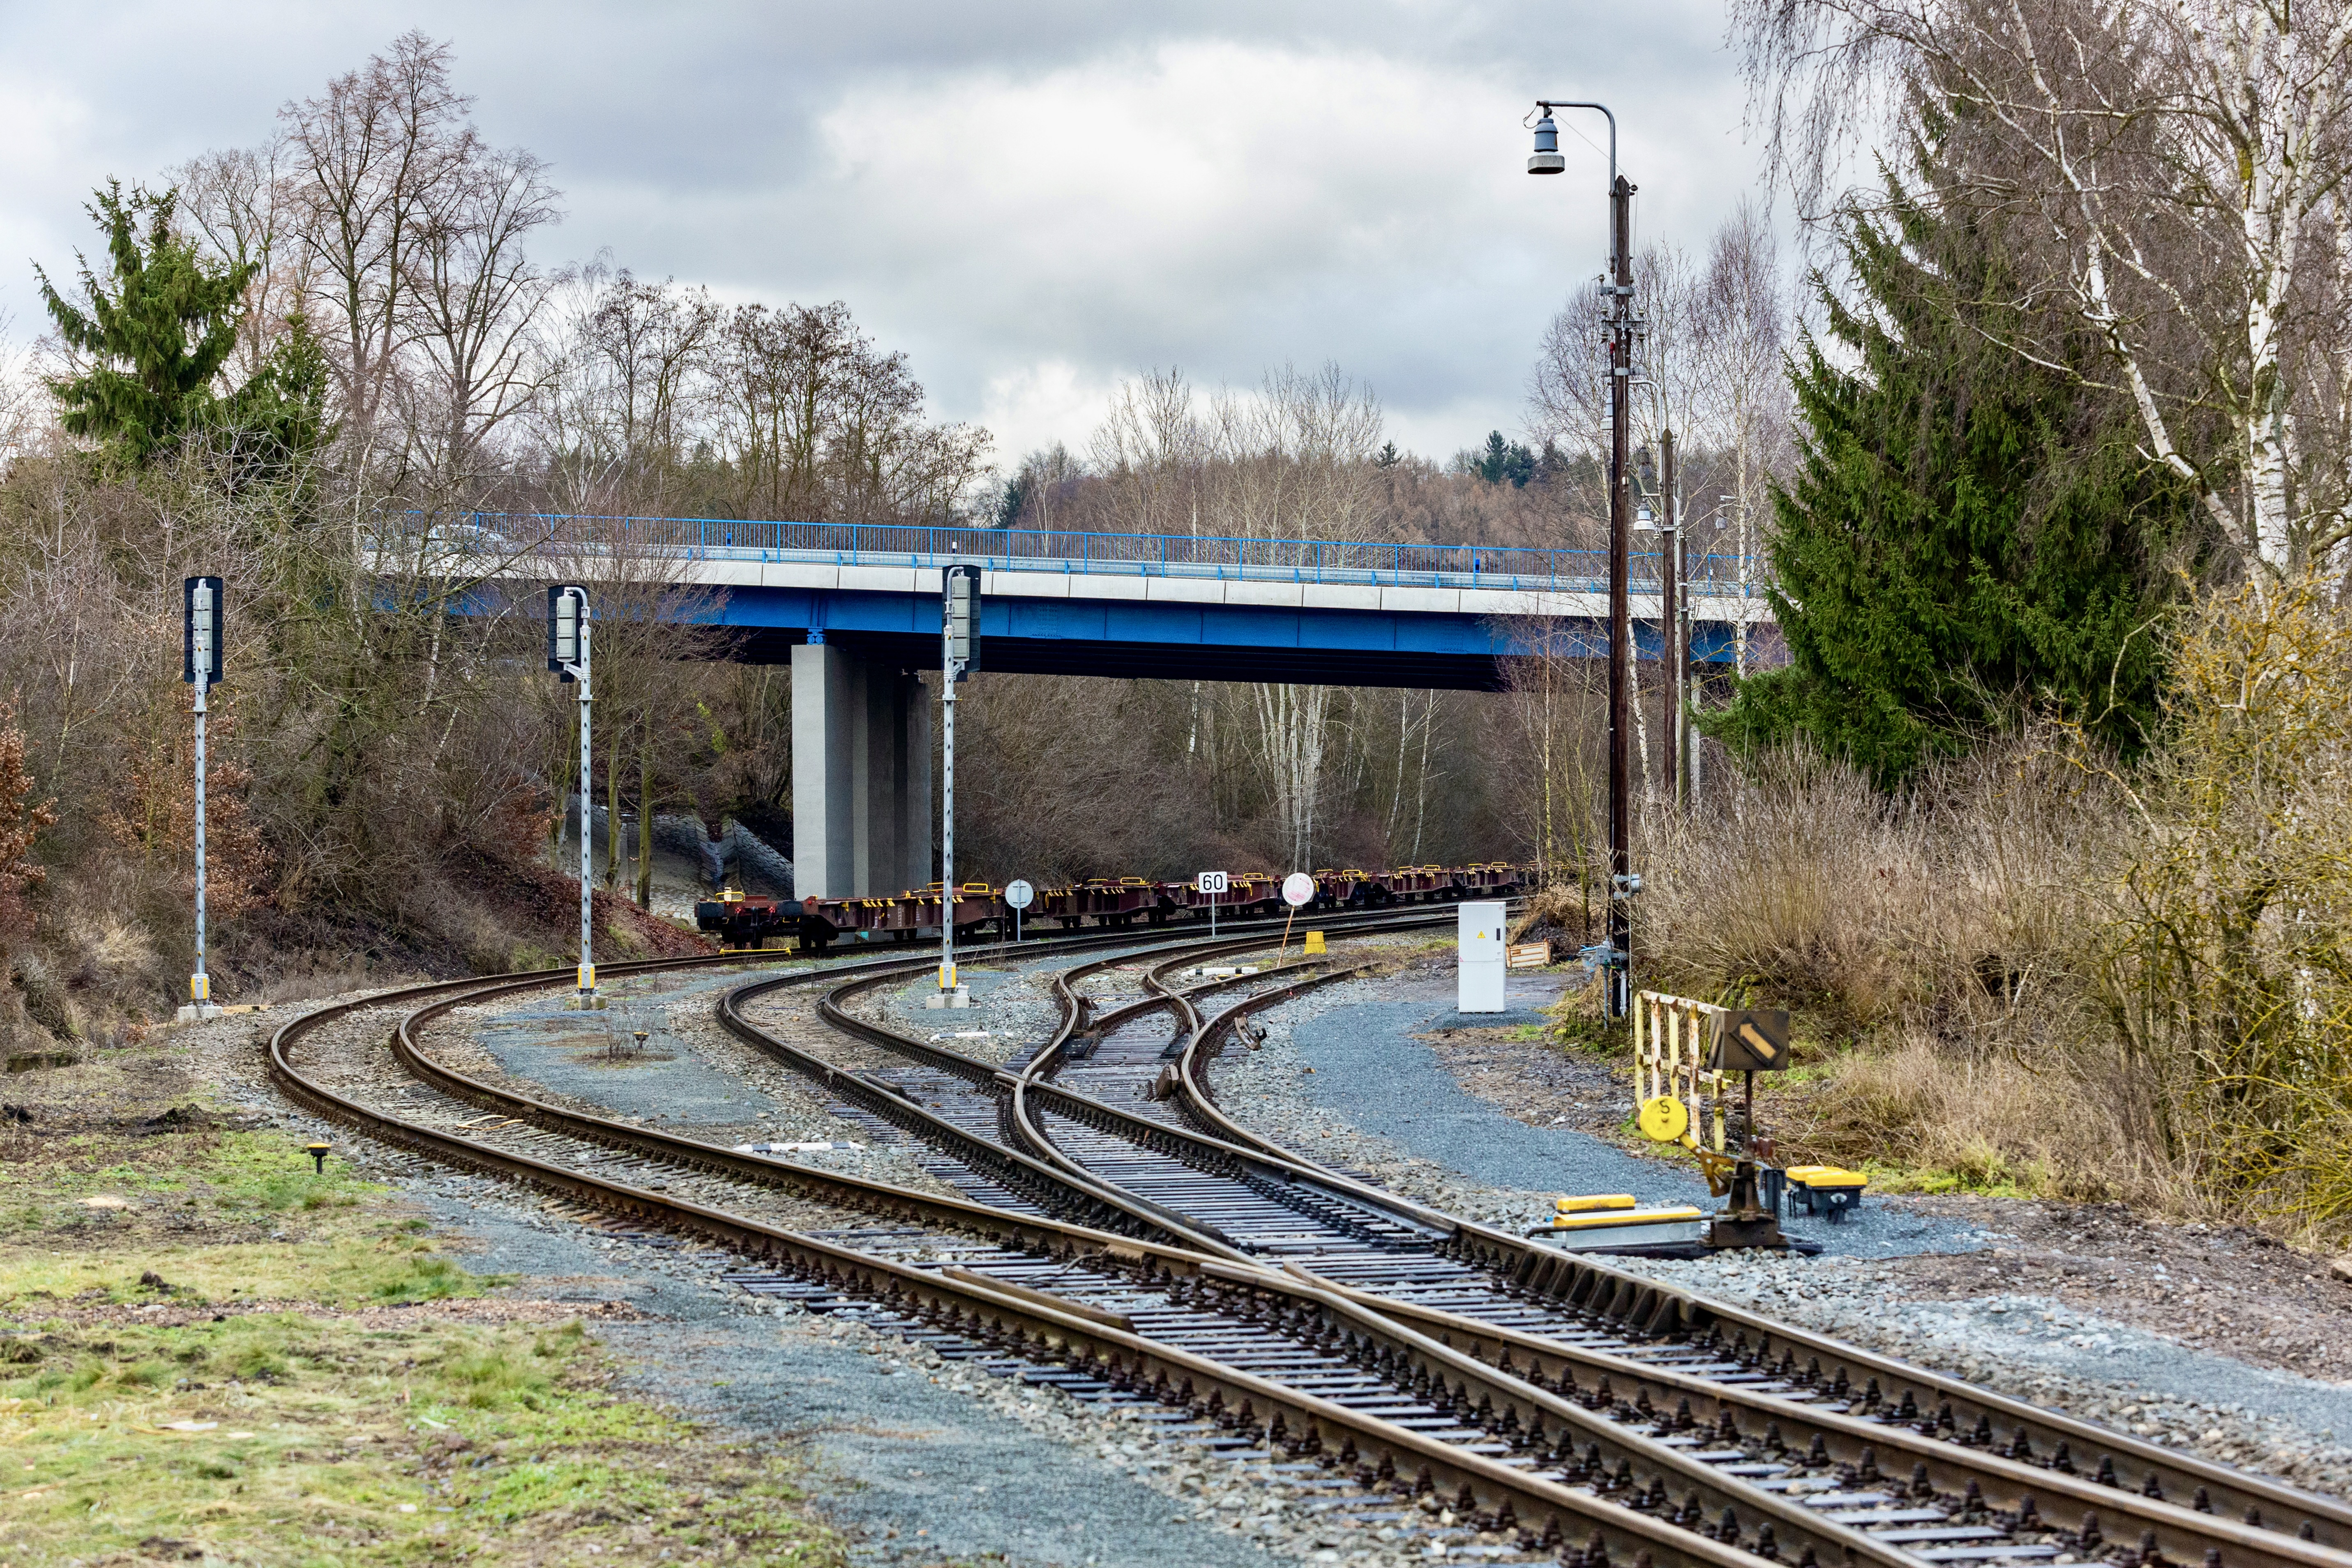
307	364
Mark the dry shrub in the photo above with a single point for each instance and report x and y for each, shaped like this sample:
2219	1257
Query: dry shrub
1967	1118
21	821
1946	908
2225	971
1559	906
1933	947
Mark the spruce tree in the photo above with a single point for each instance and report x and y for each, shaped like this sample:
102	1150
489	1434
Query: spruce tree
1969	535
155	333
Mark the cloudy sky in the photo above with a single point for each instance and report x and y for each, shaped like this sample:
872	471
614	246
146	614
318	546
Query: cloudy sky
1033	200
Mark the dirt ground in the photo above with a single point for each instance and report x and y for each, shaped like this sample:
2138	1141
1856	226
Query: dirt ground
1538	1083
2231	1290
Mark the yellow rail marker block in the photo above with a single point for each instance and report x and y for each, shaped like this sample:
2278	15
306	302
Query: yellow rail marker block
1594	1201
1612	1219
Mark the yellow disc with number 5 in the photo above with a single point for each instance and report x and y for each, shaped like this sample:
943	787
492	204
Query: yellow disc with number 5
1663	1120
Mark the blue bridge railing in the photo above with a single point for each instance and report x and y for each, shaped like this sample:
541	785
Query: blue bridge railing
1056	550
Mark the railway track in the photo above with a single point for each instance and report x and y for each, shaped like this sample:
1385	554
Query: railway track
916	1277
1947	1471
1585	1431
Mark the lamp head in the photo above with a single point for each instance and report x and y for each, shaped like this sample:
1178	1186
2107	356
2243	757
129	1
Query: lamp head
1547	159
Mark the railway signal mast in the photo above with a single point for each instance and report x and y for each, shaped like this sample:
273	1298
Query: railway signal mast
1619	325
959	656
567	654
201	667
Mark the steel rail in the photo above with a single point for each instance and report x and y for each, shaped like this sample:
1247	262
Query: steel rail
1888	1394
1615	1458
1987	1484
1409	1345
1495	1494
1038	1179
1037	1152
1885	1395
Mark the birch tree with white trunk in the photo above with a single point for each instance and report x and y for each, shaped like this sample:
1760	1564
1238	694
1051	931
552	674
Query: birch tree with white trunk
2180	163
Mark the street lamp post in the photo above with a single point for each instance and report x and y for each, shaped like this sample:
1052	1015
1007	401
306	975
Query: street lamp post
1619	324
567	654
1672	617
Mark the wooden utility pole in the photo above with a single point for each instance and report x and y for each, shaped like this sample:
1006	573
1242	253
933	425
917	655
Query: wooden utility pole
1620	620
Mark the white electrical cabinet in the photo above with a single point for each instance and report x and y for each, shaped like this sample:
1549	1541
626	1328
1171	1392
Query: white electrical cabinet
1480	985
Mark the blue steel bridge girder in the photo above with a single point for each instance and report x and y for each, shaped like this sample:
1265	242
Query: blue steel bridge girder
1170	641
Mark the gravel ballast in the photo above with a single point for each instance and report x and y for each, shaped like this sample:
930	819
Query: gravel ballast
991	1468
1345	1074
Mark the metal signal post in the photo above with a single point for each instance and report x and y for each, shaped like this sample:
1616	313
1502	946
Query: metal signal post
1673	620
959	655
567	654
1620	326
201	667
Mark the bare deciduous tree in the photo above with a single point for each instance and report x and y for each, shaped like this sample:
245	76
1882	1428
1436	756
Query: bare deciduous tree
2176	165
365	159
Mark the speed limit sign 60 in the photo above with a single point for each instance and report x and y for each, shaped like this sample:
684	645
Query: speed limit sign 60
1212	882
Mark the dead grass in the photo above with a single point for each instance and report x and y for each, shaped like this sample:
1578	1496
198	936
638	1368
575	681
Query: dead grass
1935	951
1926	1118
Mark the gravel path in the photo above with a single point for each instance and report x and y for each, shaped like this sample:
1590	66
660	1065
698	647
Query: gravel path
1343	1075
917	1459
693	1077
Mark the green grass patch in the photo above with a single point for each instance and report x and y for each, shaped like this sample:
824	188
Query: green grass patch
220	1218
1990	1177
333	1442
342	1271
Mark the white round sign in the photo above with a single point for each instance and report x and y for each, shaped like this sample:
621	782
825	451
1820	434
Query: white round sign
1018	893
1297	890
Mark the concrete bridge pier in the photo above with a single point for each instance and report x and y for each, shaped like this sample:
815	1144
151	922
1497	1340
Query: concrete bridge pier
861	774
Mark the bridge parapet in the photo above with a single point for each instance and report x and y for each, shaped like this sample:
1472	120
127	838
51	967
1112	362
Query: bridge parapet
726	542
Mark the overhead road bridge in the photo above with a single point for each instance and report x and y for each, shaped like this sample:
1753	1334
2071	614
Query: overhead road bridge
1152	606
855	610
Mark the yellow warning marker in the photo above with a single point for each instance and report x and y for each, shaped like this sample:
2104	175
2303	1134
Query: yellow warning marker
1609	1219
1594	1201
1663	1118
1314	943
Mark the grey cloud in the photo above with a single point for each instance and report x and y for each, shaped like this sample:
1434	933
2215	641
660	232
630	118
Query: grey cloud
693	142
